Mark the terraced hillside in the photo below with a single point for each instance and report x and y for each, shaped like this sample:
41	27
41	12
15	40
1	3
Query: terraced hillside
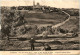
32	25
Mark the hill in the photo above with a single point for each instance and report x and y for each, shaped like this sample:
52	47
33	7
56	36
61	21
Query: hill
21	23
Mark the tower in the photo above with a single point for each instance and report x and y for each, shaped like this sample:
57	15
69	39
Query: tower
33	2
38	4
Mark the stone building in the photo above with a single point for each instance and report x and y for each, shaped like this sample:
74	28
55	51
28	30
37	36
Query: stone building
36	6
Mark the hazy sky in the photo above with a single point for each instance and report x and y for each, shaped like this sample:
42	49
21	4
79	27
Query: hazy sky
53	3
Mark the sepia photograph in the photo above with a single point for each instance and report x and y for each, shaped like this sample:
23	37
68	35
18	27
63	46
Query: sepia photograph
39	25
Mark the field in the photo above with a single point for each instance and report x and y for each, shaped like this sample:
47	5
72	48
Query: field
42	19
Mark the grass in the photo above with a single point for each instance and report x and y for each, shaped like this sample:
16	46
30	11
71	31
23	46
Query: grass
41	19
44	18
72	23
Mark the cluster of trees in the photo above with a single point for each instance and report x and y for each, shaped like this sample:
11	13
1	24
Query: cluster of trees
10	20
22	7
46	9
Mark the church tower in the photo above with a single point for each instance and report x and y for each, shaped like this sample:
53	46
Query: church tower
33	4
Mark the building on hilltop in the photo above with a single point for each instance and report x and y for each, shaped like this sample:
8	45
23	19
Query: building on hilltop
39	8
36	6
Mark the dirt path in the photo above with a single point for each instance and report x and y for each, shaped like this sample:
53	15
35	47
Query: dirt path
60	24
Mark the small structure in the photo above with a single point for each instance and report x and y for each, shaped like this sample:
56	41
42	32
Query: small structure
36	6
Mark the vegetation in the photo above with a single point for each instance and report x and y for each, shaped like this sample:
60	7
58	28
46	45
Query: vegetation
18	23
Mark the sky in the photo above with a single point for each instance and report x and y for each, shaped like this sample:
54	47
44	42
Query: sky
52	3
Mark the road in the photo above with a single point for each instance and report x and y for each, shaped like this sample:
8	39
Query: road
62	23
59	24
